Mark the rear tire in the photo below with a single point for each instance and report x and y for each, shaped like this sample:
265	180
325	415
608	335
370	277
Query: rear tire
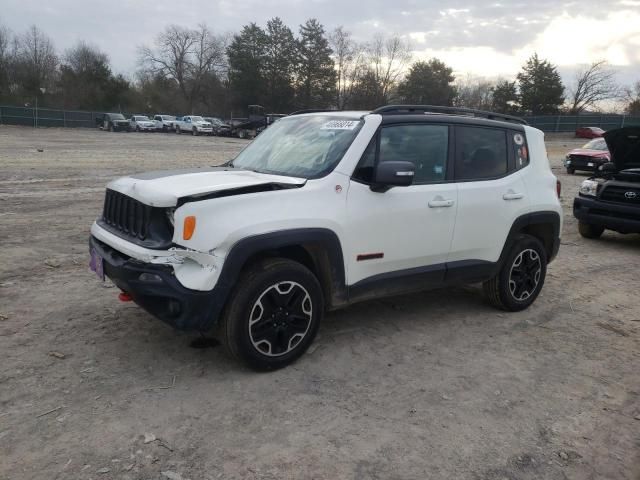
521	276
588	230
178	131
272	315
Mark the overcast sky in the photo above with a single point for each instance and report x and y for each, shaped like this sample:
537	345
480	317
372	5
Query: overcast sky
480	37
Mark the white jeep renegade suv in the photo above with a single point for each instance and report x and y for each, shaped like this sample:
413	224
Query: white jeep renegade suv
325	209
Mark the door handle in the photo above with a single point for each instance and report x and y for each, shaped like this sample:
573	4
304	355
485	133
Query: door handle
511	195
440	202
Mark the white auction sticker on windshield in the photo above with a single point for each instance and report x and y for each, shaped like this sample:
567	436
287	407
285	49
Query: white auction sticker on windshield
340	125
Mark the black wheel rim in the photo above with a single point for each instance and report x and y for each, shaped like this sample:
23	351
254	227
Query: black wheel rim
280	318
524	276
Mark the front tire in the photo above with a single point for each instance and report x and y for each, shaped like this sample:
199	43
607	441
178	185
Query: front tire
273	314
178	131
521	276
194	132
571	171
588	230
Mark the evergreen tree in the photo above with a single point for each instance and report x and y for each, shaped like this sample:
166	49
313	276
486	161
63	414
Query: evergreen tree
246	66
505	97
316	80
429	83
279	65
541	90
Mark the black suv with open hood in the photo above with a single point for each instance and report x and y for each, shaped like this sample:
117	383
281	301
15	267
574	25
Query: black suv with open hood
611	198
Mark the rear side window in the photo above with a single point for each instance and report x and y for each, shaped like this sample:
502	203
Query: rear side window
520	150
426	146
481	153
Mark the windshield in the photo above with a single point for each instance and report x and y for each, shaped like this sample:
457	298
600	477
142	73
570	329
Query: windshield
306	146
139	118
167	117
116	116
596	144
197	119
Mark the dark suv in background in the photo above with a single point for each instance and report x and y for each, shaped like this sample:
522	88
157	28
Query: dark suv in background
114	122
611	198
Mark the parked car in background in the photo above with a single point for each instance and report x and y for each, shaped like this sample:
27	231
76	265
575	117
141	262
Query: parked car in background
115	122
589	132
590	157
194	124
611	198
141	123
220	128
164	123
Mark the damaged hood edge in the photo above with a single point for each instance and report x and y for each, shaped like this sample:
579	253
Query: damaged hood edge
171	188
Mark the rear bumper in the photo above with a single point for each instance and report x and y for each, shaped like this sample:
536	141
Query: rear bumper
621	218
159	292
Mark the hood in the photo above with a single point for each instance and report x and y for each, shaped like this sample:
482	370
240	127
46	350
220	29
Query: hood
587	152
166	188
624	146
202	124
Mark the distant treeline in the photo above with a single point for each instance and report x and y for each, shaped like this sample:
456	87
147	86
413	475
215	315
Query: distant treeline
196	70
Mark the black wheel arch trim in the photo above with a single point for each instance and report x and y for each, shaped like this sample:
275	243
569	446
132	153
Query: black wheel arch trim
531	223
321	245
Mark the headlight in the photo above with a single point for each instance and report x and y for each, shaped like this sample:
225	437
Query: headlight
589	187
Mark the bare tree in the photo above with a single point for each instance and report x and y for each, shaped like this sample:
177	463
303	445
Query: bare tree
388	58
593	84
5	59
83	58
36	61
188	57
474	92
631	99
350	61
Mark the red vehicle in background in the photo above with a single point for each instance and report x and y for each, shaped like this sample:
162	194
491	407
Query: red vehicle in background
589	132
588	158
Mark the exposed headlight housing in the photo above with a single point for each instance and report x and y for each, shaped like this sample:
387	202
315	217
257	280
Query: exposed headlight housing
589	188
170	212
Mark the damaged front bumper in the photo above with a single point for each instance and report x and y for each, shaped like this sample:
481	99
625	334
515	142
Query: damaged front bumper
164	282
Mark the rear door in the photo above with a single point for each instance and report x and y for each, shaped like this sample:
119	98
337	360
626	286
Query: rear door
404	230
489	168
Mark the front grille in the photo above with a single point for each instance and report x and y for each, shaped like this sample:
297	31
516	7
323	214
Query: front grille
126	214
620	194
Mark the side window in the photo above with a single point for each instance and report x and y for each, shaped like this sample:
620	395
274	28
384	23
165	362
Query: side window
481	153
426	146
520	150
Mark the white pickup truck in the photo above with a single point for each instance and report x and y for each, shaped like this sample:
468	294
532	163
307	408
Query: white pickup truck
194	124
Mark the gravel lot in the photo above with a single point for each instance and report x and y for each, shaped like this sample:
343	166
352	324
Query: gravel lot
434	385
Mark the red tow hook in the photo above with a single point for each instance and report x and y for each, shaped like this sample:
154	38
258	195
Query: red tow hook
125	297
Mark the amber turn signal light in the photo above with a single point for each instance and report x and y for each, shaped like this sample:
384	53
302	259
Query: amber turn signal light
189	227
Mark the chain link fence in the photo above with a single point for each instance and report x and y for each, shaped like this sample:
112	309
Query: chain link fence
569	123
47	117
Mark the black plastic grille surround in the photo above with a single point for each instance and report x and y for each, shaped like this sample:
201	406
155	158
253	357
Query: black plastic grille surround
133	220
621	194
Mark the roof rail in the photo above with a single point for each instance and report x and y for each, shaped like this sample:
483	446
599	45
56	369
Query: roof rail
319	110
391	109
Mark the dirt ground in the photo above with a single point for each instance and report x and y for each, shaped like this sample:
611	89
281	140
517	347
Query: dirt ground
435	385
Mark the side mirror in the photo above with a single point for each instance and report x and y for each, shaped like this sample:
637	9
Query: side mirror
608	168
393	174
